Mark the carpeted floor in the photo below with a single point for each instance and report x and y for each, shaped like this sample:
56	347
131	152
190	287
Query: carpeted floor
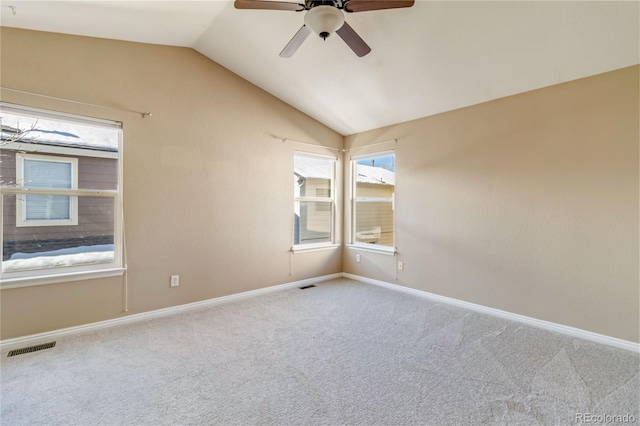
340	353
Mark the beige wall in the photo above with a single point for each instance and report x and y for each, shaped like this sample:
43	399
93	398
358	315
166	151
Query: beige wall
192	206
527	204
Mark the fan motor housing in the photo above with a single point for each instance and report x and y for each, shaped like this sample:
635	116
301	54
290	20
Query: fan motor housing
310	4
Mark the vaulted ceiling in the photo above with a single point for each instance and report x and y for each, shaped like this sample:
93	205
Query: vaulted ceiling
427	59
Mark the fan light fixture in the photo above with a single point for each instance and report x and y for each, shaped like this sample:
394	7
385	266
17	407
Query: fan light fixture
324	17
323	20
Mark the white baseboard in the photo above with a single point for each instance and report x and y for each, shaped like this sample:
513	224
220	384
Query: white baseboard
34	339
558	328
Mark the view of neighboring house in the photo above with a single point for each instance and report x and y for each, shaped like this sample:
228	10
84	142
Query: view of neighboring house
313	179
44	224
373	210
314	205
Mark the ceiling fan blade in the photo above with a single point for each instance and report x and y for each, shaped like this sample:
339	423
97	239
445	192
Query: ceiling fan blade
366	5
268	5
353	40
295	42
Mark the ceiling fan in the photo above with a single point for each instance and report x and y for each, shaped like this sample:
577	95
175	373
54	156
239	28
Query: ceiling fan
324	17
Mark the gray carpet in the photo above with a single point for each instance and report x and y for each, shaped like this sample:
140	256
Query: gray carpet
340	353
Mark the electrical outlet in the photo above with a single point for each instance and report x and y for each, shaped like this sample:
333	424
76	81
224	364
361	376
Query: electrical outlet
175	280
358	258
400	265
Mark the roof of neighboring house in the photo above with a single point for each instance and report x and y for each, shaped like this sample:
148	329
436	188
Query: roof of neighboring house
56	133
312	167
375	175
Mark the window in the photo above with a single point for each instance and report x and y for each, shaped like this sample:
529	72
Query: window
46	172
61	196
373	187
314	204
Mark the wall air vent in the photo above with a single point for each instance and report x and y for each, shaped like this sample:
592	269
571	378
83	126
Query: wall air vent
31	349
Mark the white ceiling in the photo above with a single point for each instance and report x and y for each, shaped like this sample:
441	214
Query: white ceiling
428	59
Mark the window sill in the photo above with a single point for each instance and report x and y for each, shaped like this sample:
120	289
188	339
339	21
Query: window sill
314	247
59	278
372	248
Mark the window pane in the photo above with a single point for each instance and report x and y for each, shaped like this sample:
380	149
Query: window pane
47	174
42	247
312	222
46	207
46	150
312	176
375	177
374	223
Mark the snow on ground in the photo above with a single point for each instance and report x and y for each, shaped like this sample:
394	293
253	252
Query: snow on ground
75	256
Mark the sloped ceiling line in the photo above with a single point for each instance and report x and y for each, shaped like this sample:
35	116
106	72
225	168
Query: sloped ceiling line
434	57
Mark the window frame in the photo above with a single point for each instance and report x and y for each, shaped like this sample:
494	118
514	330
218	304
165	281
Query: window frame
332	200
355	199
21	210
52	275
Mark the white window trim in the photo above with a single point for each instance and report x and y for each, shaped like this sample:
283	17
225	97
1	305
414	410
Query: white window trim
88	272
81	272
352	187
21	211
301	248
373	248
298	248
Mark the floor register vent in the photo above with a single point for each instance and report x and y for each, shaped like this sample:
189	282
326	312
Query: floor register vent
31	349
306	287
